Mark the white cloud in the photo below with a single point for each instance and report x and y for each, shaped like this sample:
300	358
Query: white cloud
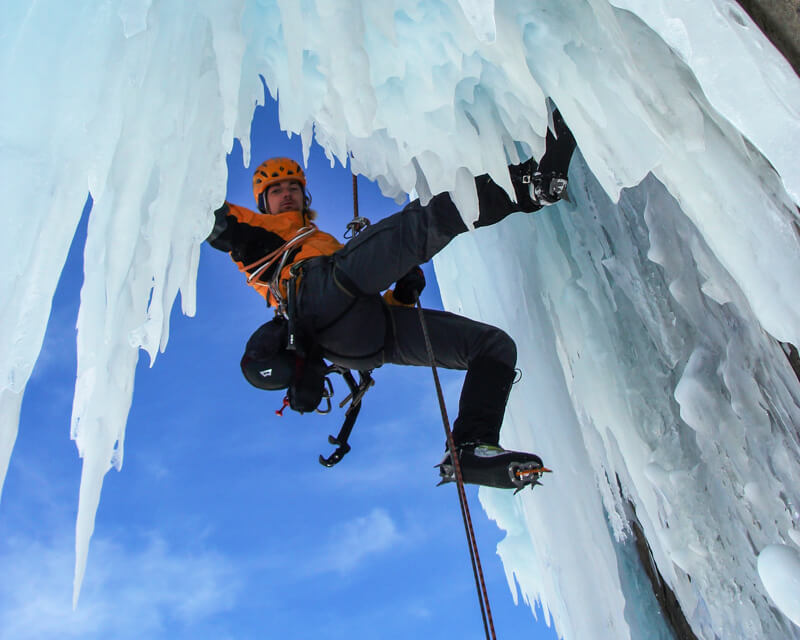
353	541
127	593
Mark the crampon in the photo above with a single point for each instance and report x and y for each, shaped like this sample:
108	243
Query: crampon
495	472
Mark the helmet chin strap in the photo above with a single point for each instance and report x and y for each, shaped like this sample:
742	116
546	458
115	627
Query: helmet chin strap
262	202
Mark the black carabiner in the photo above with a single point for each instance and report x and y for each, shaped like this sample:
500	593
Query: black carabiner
357	392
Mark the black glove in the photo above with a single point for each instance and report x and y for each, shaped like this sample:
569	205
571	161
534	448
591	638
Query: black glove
220	224
408	288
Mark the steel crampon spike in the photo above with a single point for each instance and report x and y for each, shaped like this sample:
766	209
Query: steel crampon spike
522	475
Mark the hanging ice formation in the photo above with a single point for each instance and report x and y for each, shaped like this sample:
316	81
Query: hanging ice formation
648	311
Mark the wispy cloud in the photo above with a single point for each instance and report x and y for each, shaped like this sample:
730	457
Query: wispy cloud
352	542
127	594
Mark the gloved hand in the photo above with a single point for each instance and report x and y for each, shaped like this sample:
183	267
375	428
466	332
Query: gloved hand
220	223
409	287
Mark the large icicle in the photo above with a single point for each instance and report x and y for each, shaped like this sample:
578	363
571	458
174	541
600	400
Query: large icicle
137	132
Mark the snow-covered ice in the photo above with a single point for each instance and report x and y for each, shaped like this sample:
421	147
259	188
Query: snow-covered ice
779	568
647	310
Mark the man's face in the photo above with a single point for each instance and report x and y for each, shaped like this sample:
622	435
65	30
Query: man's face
286	195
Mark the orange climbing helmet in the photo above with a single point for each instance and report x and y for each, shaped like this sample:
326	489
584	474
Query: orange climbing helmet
275	170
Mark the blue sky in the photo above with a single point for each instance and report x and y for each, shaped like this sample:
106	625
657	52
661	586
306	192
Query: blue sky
222	524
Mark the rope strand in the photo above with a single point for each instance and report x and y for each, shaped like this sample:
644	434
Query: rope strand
355	227
477	570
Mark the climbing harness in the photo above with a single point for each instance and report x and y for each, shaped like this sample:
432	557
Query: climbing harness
287	308
477	570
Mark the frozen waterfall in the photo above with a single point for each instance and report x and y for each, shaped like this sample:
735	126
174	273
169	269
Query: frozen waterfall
648	310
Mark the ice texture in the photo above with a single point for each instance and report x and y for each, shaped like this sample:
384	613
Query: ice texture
682	406
647	312
122	99
779	568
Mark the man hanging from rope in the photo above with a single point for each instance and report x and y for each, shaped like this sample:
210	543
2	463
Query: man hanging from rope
332	292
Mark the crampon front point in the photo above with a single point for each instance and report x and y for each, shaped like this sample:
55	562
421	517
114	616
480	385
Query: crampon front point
524	474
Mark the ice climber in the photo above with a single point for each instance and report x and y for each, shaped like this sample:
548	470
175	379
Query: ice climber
331	294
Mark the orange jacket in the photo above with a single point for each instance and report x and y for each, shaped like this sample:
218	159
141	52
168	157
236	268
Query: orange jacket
249	237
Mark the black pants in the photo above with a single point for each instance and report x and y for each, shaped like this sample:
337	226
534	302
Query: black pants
339	303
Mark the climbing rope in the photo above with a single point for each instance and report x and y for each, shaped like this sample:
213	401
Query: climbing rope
477	570
358	223
354	227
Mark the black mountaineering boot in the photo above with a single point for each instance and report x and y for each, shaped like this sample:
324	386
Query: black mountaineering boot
492	466
535	189
536	185
494	203
476	432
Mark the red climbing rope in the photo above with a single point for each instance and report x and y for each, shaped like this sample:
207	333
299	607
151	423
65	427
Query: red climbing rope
477	570
353	228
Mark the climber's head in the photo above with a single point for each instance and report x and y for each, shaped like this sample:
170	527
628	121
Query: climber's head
279	184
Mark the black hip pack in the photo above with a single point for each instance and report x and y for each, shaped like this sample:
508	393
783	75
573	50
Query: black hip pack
268	364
